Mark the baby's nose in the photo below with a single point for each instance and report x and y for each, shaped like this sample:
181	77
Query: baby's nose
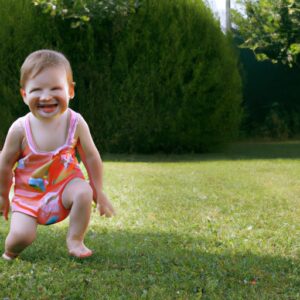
45	96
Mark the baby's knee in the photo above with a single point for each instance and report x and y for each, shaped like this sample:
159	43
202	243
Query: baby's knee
84	195
18	237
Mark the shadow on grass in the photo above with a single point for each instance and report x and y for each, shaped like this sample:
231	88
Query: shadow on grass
129	265
236	151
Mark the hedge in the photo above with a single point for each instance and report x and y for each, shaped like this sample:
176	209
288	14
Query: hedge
164	78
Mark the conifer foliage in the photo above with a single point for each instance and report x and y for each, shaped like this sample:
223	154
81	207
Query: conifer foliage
160	77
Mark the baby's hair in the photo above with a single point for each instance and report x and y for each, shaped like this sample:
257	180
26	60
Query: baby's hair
42	59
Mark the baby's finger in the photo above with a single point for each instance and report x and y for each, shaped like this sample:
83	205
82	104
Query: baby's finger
112	211
101	210
109	212
104	211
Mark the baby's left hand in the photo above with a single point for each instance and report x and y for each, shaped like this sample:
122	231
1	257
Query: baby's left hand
104	206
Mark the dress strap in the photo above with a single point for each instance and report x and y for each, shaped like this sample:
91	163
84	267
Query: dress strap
72	127
29	137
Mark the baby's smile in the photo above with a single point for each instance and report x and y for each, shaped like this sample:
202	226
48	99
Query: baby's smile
47	107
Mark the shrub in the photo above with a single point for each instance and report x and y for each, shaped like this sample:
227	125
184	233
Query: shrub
162	81
275	125
164	78
22	30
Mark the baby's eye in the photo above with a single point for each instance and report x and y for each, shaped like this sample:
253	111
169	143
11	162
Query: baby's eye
56	88
34	90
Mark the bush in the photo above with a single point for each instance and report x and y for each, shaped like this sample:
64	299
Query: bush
275	126
22	30
164	78
170	65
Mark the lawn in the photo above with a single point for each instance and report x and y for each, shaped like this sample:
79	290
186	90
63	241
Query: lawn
213	226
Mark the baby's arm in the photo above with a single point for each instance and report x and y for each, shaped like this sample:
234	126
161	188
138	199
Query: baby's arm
93	164
8	157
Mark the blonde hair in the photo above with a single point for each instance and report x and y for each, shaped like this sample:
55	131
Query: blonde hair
39	60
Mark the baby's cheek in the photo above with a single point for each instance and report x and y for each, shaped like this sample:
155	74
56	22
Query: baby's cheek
33	101
62	101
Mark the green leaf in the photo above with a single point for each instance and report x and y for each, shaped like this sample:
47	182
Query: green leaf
294	48
262	56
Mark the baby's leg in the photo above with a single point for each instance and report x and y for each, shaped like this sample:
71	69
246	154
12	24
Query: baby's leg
22	233
78	196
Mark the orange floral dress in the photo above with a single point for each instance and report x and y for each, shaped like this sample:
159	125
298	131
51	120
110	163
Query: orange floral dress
40	177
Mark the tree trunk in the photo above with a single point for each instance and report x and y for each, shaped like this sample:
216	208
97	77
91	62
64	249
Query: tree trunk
228	21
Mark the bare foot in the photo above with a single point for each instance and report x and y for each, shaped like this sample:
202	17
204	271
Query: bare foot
78	249
9	256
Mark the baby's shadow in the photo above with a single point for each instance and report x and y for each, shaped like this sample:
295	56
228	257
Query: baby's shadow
159	258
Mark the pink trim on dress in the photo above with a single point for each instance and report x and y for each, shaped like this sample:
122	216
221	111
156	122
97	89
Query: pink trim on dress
72	127
29	135
70	136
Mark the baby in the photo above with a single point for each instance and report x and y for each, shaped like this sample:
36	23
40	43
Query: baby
41	148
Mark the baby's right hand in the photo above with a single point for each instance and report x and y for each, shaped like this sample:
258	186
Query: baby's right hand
4	207
104	206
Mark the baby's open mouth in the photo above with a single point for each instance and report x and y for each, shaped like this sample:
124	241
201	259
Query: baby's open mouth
51	105
47	107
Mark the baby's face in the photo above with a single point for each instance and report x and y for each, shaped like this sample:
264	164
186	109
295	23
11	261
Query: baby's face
48	93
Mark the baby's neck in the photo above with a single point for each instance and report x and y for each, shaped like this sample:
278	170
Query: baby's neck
49	123
50	134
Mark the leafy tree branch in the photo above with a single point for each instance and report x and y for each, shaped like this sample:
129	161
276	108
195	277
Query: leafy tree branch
271	28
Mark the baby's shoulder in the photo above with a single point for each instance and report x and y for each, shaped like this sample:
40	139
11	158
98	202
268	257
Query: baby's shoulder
80	121
15	135
81	127
17	126
16	131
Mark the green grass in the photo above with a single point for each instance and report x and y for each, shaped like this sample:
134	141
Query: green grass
217	226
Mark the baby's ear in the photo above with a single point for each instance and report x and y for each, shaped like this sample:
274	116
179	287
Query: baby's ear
22	92
72	90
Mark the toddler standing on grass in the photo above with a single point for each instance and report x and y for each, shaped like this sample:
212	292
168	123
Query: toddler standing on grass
49	184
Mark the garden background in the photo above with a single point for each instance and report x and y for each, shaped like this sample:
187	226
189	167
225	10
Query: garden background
166	92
